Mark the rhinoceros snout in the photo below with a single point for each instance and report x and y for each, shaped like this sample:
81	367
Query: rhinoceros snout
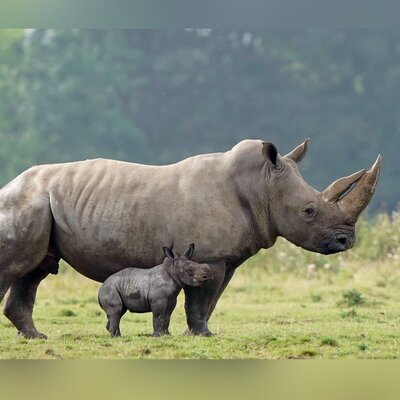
340	242
205	274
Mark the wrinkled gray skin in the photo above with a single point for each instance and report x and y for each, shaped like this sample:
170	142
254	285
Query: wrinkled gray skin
151	290
102	216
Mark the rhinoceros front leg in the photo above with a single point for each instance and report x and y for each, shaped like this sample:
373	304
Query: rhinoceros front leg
228	276
199	300
19	305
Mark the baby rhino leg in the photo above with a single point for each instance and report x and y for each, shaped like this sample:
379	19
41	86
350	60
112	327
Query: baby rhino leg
161	317
113	324
169	310
111	302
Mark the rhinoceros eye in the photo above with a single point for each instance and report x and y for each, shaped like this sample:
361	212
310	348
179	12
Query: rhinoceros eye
309	212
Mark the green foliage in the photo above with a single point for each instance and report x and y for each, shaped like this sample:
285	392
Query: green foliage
362	346
309	353
327	341
17	147
349	314
316	297
380	237
81	85
66	313
352	298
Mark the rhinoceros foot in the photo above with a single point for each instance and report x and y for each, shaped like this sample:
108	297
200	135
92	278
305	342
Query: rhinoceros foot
197	332
31	335
159	334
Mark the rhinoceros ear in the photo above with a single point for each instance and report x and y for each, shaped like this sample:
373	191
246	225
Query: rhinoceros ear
270	153
299	152
169	253
188	253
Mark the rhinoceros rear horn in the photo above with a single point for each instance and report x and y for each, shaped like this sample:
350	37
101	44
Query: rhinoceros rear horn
299	152
357	198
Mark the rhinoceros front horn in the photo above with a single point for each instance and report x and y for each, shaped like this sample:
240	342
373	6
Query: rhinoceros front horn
338	188
353	193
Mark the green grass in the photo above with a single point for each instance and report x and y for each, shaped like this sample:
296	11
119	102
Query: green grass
284	303
261	315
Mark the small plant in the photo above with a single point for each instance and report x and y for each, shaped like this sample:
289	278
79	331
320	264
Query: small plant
362	346
316	297
349	314
352	298
308	353
327	341
67	313
305	339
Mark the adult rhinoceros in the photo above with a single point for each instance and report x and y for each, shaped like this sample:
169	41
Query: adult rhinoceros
102	216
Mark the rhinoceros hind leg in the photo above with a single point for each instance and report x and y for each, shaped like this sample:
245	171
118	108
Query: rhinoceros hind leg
19	306
199	300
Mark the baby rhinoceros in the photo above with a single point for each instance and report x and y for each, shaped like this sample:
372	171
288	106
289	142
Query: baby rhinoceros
151	290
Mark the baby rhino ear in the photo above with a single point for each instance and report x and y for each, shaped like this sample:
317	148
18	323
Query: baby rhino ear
188	253
169	253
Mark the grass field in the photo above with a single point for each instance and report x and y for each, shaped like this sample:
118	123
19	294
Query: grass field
283	303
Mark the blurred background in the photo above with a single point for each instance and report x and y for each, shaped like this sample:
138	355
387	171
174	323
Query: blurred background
157	96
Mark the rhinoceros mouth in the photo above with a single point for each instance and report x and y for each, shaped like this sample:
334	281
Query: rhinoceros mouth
337	243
